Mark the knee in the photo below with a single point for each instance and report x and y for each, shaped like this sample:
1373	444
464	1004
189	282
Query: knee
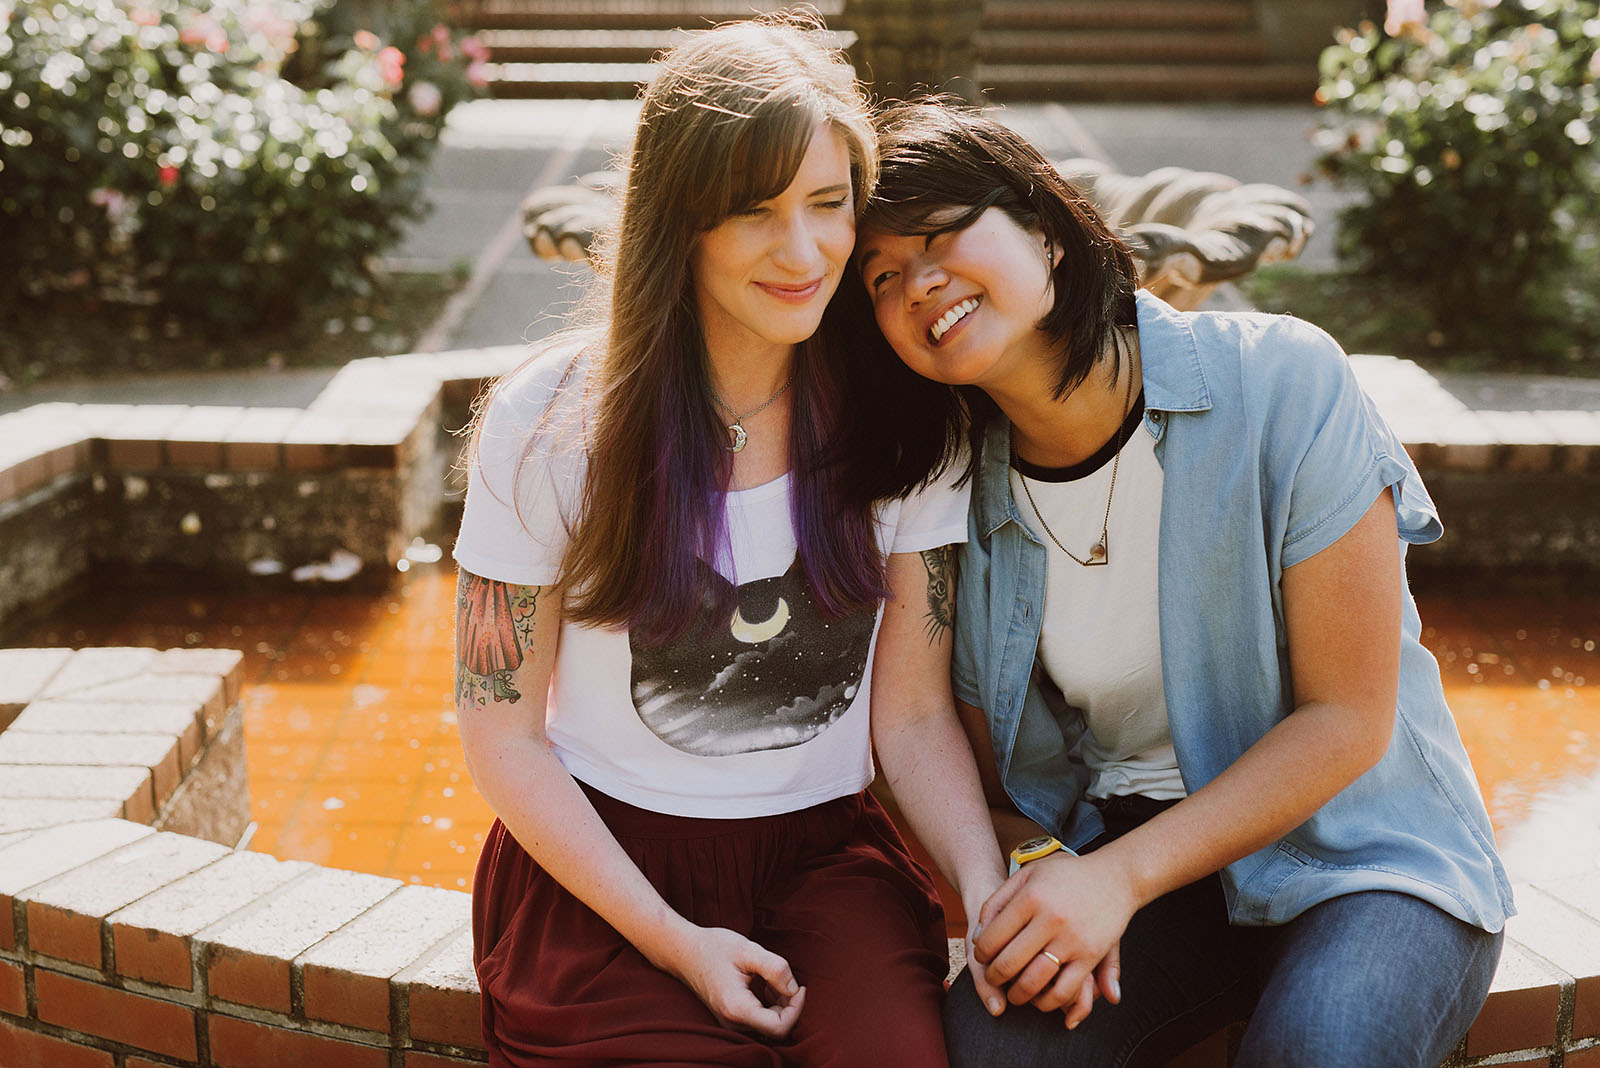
968	1027
1306	1036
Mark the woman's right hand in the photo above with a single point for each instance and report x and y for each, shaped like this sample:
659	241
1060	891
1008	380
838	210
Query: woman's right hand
719	965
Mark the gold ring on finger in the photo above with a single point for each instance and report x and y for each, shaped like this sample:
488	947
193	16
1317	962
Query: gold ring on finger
1051	957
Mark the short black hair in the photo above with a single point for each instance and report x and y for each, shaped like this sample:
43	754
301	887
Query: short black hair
937	157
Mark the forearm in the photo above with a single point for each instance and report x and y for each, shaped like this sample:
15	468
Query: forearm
1276	785
549	816
930	769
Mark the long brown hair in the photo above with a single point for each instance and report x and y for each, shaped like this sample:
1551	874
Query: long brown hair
725	124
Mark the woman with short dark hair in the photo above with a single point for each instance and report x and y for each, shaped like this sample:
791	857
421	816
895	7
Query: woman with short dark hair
1185	650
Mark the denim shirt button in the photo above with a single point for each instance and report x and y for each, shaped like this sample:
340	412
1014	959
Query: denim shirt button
1155	417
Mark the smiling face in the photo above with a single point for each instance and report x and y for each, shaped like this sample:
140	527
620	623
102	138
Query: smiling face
763	276
961	307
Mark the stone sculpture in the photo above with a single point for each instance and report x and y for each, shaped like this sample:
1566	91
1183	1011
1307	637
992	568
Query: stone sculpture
1191	231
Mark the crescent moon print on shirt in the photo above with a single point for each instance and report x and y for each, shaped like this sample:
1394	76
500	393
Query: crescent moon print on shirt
776	675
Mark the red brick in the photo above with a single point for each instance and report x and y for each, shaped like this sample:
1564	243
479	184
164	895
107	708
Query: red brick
151	938
158	752
13	989
47	854
28	1049
442	995
346	975
247	957
64	935
1569	939
154	956
65	914
239	1043
248	978
1521	1010
1588	1058
449	1017
157	1026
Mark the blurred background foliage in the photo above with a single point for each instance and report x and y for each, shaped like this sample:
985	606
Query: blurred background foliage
221	164
1468	130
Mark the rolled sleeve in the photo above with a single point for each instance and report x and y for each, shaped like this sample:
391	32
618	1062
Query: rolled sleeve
1337	452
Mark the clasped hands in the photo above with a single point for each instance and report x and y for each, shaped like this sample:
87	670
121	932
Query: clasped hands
1051	936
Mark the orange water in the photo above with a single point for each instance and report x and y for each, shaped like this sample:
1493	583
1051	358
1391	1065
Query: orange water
354	760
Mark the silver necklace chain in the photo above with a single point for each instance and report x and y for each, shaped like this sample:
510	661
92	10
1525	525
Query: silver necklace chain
736	432
1100	554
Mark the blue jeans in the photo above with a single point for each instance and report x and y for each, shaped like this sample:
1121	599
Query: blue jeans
1367	980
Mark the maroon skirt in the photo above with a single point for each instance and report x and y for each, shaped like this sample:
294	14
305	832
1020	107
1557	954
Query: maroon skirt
830	888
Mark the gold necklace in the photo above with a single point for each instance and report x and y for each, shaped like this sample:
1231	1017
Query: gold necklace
1100	554
736	432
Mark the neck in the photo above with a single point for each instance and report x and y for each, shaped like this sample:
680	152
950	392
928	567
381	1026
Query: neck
747	380
1054	432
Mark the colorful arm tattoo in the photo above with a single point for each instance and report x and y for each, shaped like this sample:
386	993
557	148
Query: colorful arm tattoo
494	629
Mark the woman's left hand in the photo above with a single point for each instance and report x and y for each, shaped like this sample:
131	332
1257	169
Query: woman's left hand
1076	908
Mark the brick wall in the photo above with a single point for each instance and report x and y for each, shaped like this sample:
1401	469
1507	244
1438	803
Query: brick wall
122	946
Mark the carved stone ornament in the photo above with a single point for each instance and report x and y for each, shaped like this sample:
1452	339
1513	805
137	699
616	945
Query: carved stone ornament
1190	231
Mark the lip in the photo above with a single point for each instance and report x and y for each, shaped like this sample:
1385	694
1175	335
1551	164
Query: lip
959	325
791	294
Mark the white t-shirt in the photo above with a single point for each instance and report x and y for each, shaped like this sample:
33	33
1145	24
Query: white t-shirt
770	713
1100	639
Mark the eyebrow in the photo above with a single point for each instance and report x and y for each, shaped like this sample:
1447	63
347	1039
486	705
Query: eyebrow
862	260
829	190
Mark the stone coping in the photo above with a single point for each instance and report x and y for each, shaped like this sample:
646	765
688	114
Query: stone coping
126	947
373	412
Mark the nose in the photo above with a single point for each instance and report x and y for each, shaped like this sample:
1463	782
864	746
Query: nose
797	244
924	279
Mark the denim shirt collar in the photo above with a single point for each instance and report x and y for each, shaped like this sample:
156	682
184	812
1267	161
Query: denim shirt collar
1173	382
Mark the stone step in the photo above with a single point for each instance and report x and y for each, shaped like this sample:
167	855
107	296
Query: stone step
1086	14
590	81
1065	82
1003	81
616	14
1001	46
1120	46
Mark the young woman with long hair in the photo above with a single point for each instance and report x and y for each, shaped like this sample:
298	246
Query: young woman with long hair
1185	649
704	575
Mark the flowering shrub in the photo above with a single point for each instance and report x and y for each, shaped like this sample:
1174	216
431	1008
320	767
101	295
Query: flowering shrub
153	151
1470	129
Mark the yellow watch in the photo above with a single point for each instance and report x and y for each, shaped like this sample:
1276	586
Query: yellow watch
1033	849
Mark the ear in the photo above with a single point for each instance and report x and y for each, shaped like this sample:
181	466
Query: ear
1052	251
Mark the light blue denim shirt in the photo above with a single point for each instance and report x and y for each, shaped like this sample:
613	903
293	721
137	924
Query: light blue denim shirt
1270	452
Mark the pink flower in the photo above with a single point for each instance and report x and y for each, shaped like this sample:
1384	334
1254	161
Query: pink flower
441	40
366	40
144	16
391	62
425	99
205	31
475	49
169	176
478	74
1403	16
424	45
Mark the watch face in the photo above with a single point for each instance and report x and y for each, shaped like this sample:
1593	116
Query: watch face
1033	843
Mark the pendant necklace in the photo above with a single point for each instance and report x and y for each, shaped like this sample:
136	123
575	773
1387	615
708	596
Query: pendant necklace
736	432
1100	554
